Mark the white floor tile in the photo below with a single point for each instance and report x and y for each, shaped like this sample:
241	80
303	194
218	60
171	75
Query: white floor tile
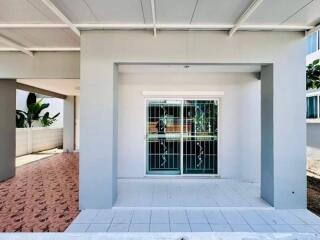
98	227
306	216
141	216
221	228
251	217
215	217
270	217
233	217
200	227
289	217
139	227
176	193
241	228
196	216
119	228
316	227
78	227
86	216
159	216
261	228
103	216
178	216
282	228
158	227
178	227
122	217
303	228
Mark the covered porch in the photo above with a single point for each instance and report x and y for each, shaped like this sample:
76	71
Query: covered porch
188	193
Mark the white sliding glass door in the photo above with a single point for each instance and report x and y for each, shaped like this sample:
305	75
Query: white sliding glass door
182	137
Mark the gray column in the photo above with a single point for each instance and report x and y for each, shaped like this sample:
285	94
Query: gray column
283	133
69	124
267	156
98	129
7	129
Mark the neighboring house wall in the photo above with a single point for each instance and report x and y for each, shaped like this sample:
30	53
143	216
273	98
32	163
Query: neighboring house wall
29	140
313	126
313	141
239	155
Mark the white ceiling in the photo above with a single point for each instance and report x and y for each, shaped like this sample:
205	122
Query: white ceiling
69	87
295	13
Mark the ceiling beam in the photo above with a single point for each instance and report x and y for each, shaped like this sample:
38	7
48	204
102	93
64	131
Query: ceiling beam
42	91
153	10
42	49
125	26
62	17
253	6
15	45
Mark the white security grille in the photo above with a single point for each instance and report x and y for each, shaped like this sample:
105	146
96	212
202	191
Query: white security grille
182	135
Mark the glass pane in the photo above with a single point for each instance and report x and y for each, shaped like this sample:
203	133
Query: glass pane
163	137
312	43
200	135
312	107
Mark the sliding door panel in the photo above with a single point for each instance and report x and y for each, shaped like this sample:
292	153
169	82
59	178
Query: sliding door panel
200	135
163	137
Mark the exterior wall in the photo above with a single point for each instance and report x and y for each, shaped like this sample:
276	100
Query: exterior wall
29	140
102	50
239	136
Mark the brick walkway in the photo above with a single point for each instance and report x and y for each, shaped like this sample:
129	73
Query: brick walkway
42	197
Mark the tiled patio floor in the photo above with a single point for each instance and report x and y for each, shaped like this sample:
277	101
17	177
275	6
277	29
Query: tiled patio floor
177	192
43	196
193	220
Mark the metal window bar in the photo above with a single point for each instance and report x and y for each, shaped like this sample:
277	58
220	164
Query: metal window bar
182	133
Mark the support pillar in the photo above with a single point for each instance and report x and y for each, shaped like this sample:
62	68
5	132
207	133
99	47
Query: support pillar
69	124
7	128
98	129
283	132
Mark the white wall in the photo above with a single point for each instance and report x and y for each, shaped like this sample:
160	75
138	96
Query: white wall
29	140
239	131
56	106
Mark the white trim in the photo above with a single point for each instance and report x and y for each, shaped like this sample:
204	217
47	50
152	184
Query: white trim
313	120
15	45
125	26
183	93
42	49
153	10
253	6
181	175
62	17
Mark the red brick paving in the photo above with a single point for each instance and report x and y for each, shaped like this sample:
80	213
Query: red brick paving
42	197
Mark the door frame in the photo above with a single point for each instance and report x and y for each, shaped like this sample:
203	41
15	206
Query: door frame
181	98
